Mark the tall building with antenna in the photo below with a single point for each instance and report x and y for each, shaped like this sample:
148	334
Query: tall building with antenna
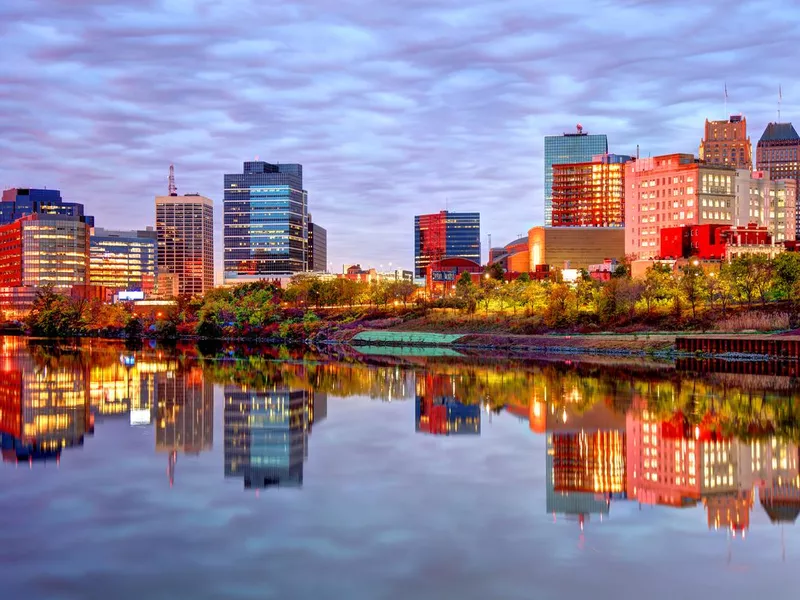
185	230
569	148
727	143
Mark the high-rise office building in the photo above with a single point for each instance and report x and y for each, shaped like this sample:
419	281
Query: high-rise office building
266	222
317	247
20	202
671	191
590	194
185	228
726	143
445	235
778	152
44	249
124	260
578	147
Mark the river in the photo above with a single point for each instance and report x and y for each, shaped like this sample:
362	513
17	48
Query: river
228	472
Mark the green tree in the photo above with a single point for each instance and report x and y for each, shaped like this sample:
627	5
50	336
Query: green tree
786	273
495	271
657	284
693	285
467	292
55	315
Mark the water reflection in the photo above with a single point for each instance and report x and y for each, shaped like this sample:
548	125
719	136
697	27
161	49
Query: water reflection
442	409
726	442
44	405
266	433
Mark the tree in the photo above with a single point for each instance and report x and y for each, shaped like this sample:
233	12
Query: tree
657	284
134	329
743	277
488	291
560	303
54	315
693	286
786	273
495	271
467	292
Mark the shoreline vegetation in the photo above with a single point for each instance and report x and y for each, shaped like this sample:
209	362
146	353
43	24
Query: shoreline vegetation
752	294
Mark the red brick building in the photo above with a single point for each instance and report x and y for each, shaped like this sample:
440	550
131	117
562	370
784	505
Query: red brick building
441	276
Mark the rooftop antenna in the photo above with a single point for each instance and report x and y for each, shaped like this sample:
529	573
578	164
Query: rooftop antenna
726	99
780	98
173	191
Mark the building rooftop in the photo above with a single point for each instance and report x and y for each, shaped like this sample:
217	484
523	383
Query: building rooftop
779	132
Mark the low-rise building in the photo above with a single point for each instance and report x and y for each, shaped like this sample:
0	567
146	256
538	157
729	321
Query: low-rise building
574	247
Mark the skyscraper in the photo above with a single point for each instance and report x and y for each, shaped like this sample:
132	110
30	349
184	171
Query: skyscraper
446	235
20	202
124	260
266	222
44	249
185	228
590	194
726	143
317	247
778	152
578	147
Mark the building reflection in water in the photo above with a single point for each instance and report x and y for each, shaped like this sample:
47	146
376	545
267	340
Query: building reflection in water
597	454
185	415
585	456
124	384
441	408
44	406
266	433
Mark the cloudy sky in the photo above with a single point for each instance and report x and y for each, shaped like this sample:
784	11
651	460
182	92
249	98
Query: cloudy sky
393	107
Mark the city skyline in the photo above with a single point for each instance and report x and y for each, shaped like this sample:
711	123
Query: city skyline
447	110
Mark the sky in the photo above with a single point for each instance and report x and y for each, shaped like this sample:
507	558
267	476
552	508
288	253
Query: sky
394	108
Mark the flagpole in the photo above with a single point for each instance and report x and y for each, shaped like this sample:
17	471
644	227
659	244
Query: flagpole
780	98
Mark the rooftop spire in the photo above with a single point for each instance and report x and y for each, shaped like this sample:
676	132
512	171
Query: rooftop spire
173	191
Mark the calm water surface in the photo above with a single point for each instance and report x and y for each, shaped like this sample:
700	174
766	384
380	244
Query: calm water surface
162	473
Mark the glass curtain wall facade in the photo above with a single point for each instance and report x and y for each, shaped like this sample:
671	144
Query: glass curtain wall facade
21	202
266	222
317	248
445	235
569	148
124	260
185	228
54	251
590	194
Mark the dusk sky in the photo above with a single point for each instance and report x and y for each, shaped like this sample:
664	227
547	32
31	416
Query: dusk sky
393	108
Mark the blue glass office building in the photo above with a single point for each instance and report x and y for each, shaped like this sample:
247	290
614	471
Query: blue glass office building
265	222
445	235
21	202
569	148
